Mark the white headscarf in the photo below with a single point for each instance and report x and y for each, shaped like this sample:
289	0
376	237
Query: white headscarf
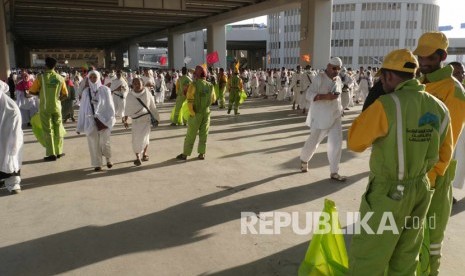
97	84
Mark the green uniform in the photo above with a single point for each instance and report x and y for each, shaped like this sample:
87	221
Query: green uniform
447	89
182	83
409	130
51	87
200	96
222	82
235	87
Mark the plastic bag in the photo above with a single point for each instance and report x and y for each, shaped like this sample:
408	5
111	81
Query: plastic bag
243	96
327	254
38	131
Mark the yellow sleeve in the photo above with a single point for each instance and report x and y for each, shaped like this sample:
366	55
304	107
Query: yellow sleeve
190	99
367	127
177	86
64	90
445	155
35	88
240	84
213	95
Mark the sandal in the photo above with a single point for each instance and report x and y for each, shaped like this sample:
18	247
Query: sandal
303	166
145	158
137	162
337	177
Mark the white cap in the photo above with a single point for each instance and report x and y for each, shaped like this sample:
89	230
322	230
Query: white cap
335	61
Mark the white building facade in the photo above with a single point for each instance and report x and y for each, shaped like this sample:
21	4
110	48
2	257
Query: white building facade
363	32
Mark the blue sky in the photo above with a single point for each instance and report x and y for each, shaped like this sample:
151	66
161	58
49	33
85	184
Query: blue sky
452	13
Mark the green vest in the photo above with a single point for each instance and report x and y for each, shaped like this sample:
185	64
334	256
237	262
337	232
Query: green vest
50	89
203	96
411	147
183	82
234	84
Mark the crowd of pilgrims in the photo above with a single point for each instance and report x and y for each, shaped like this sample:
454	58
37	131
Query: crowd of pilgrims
280	84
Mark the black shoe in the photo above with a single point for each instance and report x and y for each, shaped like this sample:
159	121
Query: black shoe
61	155
50	158
97	169
181	157
109	165
454	200
202	156
173	124
137	162
229	111
15	192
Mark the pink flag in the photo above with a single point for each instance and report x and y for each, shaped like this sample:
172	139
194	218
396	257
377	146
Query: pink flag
212	57
162	60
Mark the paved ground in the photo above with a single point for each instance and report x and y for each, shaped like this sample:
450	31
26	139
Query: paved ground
170	218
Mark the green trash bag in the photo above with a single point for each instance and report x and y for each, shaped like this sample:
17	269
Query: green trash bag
183	114
37	129
327	254
243	96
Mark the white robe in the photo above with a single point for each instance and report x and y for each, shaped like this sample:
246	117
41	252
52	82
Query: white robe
98	141
142	125
11	142
119	97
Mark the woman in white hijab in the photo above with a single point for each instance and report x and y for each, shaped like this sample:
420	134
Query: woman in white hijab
96	119
11	142
141	118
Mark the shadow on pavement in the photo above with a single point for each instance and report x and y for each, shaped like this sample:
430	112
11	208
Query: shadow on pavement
171	227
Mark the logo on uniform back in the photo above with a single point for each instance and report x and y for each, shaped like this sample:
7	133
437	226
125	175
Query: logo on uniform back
429	119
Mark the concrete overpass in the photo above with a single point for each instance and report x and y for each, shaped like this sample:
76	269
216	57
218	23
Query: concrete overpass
120	25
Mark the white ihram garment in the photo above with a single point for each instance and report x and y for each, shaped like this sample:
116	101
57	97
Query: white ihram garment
141	124
11	141
119	97
98	141
324	118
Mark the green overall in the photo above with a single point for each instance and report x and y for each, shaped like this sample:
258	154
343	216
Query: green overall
180	98
234	94
50	111
443	86
200	122
418	125
222	83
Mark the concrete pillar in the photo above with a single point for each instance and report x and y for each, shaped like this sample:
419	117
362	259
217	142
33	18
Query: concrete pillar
315	31
107	62
133	56
216	41
119	57
176	51
4	55
195	45
11	50
101	59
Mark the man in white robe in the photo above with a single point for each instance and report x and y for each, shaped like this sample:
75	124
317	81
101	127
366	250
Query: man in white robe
324	117
119	89
103	109
11	141
141	119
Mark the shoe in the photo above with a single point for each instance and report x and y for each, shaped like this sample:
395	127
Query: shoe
293	106
109	165
237	113
229	111
201	156
337	177
145	158
173	124
50	158
303	166
61	155
97	169
15	192
137	162
181	157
